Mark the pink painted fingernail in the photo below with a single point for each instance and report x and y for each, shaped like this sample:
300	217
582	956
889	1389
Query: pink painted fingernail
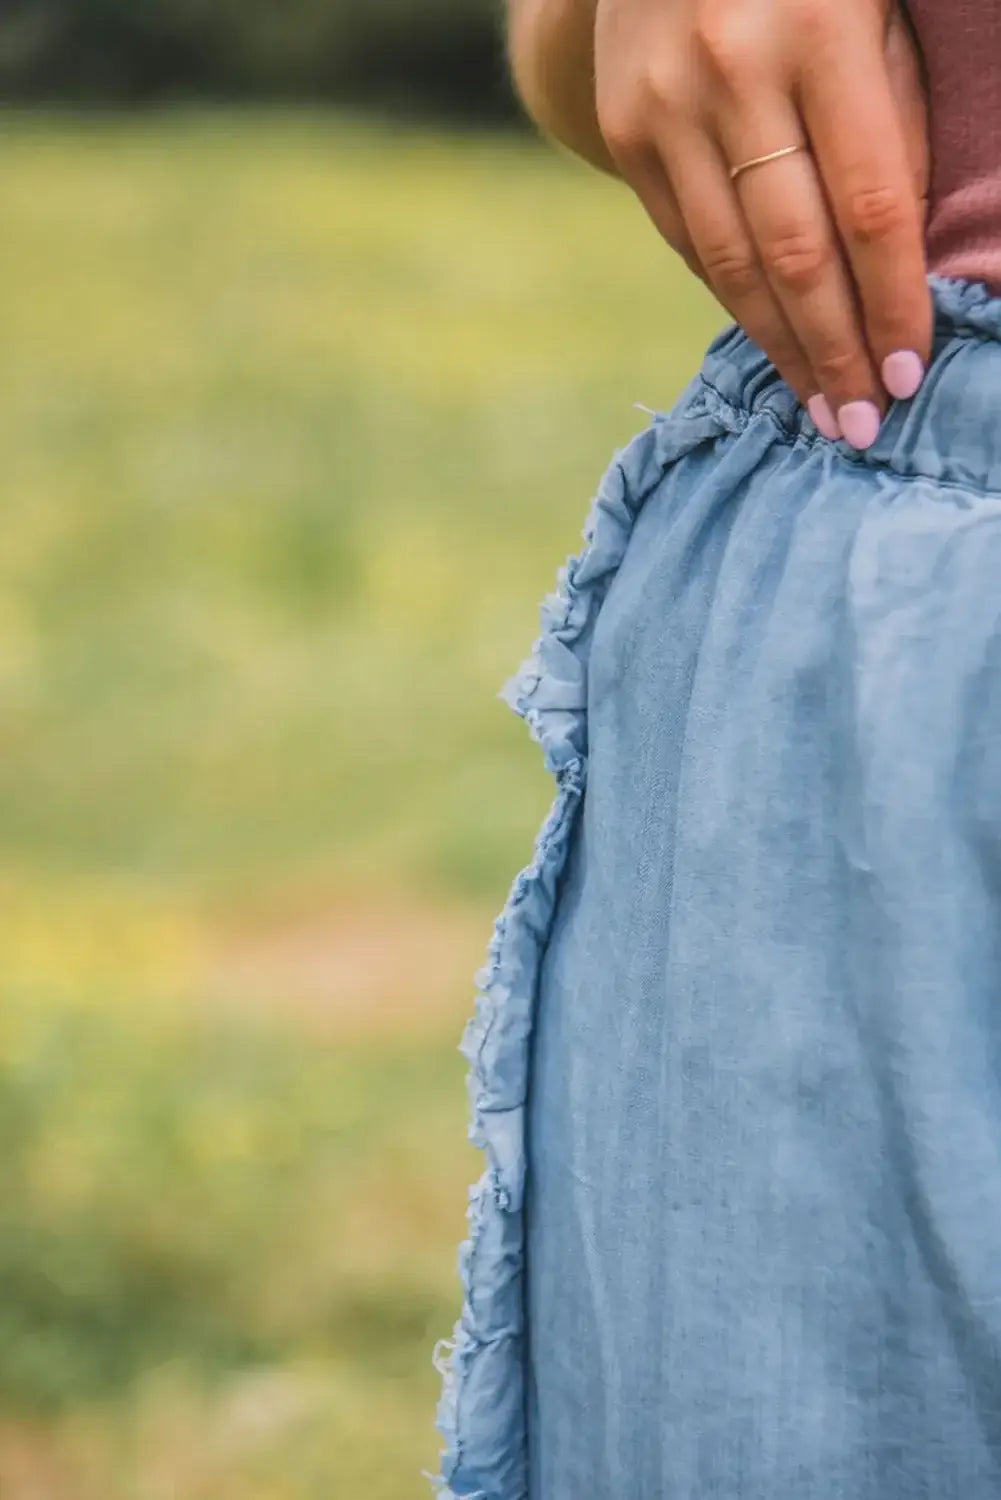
824	419
902	373
859	422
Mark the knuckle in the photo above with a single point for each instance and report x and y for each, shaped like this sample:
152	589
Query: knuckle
622	129
731	40
725	39
681	243
797	260
690	258
732	268
813	20
666	87
786	358
838	369
873	213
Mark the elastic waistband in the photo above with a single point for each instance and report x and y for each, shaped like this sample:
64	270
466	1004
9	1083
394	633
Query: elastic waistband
950	432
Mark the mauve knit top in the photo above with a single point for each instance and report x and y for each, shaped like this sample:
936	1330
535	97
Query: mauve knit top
961	42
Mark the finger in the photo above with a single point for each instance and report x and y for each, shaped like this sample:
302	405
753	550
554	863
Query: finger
731	268
766	299
790	222
646	177
905	74
734	266
854	124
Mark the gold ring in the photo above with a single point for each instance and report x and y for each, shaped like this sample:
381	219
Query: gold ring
759	161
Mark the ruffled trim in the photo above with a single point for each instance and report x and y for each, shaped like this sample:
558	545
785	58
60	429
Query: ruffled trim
966	305
481	1415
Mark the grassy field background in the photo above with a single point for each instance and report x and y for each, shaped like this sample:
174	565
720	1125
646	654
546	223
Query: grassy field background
298	419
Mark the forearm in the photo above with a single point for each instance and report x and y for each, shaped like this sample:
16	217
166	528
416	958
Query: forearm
551	45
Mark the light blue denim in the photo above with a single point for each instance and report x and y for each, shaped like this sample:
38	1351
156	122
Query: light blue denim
736	1063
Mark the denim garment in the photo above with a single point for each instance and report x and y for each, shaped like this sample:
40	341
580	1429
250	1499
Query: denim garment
736	1063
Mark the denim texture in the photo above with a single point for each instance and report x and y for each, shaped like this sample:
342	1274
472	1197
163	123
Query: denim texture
736	1062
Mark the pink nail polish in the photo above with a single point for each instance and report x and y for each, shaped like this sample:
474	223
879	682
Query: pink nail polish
824	419
902	373
859	422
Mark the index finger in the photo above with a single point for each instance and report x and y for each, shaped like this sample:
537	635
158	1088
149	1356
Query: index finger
861	151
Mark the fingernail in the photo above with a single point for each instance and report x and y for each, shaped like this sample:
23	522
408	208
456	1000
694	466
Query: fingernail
824	419
902	373
859	421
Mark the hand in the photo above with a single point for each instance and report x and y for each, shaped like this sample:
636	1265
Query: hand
820	254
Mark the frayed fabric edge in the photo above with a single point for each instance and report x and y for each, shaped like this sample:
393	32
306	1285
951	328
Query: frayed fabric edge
481	1413
966	305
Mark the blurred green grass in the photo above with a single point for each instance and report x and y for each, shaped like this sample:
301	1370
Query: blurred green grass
298	418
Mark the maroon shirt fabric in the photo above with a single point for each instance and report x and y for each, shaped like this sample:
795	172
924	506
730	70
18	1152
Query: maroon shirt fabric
961	42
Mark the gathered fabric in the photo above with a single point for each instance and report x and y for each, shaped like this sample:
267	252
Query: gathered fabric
736	1060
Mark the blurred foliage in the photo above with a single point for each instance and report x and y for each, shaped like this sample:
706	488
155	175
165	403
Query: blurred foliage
139	1150
140	1146
293	441
297	422
191	1204
441	54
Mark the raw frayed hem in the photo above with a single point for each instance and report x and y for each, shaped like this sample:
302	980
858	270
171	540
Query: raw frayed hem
481	1414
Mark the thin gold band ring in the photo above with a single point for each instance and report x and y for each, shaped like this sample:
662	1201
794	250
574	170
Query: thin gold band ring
759	161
